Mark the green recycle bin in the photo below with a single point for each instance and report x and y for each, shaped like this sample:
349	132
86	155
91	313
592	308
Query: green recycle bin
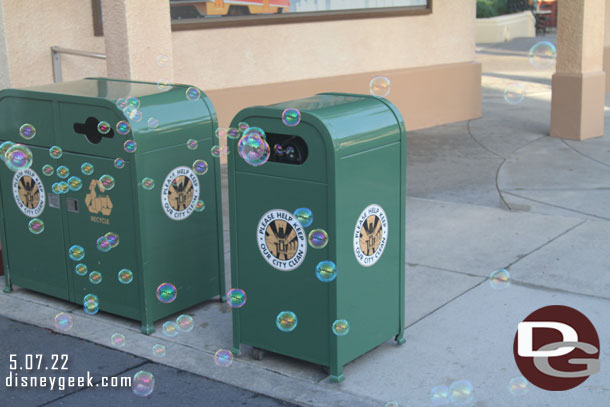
318	231
120	209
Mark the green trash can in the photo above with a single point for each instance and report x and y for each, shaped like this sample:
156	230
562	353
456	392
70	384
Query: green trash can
121	205
317	232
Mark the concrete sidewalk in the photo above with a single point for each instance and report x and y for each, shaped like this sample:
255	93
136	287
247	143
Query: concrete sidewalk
491	193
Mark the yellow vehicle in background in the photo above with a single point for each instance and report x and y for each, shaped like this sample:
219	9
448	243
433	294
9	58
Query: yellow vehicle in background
184	9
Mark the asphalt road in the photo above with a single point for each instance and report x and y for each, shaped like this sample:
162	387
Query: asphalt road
172	387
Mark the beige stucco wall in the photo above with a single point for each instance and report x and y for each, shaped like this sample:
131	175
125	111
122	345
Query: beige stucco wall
4	72
221	58
33	26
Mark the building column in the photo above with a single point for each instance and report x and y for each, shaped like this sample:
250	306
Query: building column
5	77
607	46
138	39
579	83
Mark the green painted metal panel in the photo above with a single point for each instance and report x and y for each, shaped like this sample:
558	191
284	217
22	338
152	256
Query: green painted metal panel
353	180
162	237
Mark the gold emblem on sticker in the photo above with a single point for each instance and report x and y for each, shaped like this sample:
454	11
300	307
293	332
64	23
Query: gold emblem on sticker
29	193
181	193
370	235
281	239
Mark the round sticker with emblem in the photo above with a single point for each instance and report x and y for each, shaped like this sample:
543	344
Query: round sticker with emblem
28	192
281	240
370	235
180	193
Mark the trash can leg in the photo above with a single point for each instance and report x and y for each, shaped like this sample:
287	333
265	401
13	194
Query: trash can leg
336	373
8	286
400	338
147	327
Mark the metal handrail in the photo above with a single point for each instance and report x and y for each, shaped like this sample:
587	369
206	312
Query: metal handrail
56	58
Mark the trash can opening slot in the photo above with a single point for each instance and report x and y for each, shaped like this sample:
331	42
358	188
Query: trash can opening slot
287	149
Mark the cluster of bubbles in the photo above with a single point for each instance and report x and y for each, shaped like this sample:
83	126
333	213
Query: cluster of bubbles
236	298
17	156
253	147
60	187
87	168
132	108
36	226
117	340
340	327
147	183
107	242
514	93
91	304
167	293
518	386
542	55
459	393
158	350
184	323
379	86
318	238
286	321
143	384
63	322
499	279
200	167
223	358
125	276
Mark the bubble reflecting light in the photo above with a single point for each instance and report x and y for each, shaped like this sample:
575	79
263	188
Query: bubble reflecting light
518	386
318	238
148	183
76	253
123	128
170	329
514	93
27	131
125	276
48	170
192	144
103	127
143	384
542	55
81	269
56	152
379	86
340	327
253	148
36	226
95	277
87	168
158	350
326	271
304	216
439	396
223	358
18	157
63	321
499	279
286	321
200	167
291	117
236	298
117	340
166	293
185	323
461	393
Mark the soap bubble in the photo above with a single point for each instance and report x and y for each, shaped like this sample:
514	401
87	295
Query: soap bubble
75	183
163	84
223	358
199	206
200	167
192	144
391	404
304	216
219	151
87	168
439	396
148	183
233	133
158	350
55	188
76	253
518	386
113	239
4	148
460	392
542	55
119	163
133	102
56	152
117	340
514	93
36	226
81	269
18	157
193	94
221	133
279	150
63	171
125	276
243	126
130	146
63	187
121	103
499	279
291	117
340	327
253	148
103	245
103	127
153	122
379	86
132	113
318	238
95	277
122	128
91	304
185	323
286	321
63	321
162	60
107	182
143	384
48	170
166	292
27	131
236	298
170	329
326	271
